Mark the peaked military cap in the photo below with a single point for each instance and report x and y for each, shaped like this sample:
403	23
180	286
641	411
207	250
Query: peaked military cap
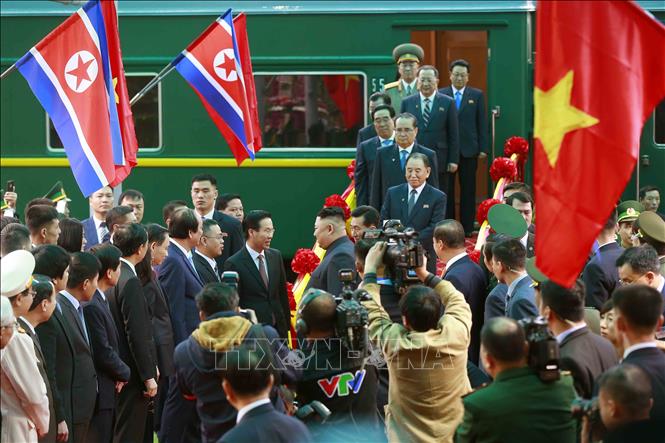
629	210
506	220
16	272
651	225
536	274
408	52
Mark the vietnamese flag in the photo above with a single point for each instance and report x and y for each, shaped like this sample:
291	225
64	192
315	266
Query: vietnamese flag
345	91
599	74
130	145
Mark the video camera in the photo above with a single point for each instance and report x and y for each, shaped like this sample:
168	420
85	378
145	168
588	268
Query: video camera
351	318
543	348
403	255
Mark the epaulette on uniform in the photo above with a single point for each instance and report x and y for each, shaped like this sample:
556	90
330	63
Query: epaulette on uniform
481	387
391	85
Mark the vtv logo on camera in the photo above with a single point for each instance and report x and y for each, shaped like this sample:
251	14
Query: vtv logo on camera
343	384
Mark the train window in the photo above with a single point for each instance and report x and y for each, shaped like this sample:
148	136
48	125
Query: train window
147	116
659	124
310	110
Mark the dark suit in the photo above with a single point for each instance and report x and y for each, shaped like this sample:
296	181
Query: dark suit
84	388
55	337
601	276
365	133
41	365
362	176
108	364
388	172
531	245
473	139
652	361
180	283
264	423
205	271
271	304
586	355
339	255
495	303
90	233
137	349
469	279
234	239
441	134
521	303
429	209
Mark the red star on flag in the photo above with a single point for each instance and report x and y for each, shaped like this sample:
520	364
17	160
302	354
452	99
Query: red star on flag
228	65
81	71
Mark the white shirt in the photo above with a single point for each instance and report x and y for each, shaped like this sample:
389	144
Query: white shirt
454	259
28	323
431	102
412	84
72	299
419	190
130	264
209	214
255	257
392	138
561	337
187	253
211	261
101	293
606	243
645	345
661	285
245	409
100	231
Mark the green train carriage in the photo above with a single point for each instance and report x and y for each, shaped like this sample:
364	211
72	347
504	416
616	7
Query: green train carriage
301	52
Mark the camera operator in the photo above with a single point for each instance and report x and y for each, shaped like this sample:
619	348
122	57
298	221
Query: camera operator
334	375
426	355
583	353
518	406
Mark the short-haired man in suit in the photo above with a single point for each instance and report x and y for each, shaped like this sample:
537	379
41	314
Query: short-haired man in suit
330	234
14	236
583	353
637	317
137	348
523	202
231	204
134	199
81	285
362	219
473	138
204	194
169	208
390	162
417	204
382	116
94	227
262	285
55	337
119	215
639	265
437	125
209	248
508	265
112	372
375	100
600	274
44	225
464	274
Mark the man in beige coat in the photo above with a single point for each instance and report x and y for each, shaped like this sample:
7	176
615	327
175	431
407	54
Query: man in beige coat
426	355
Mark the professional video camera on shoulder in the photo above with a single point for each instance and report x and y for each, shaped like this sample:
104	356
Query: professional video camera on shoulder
403	255
351	317
543	348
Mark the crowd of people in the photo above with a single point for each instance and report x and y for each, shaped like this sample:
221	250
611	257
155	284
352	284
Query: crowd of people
114	330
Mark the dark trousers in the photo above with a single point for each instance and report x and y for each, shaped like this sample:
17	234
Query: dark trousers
132	413
80	432
101	426
180	420
445	179
467	181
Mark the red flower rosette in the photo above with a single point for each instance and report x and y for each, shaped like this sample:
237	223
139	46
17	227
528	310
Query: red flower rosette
484	208
337	200
305	261
475	256
351	169
503	167
516	145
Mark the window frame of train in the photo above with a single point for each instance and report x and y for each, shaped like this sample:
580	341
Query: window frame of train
659	123
314	149
136	109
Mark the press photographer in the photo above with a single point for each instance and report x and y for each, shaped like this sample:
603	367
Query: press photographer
333	337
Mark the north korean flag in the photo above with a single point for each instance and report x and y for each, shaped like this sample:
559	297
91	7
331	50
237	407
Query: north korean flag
212	67
69	75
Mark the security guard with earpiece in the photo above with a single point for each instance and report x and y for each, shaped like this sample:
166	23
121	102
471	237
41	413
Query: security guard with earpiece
334	375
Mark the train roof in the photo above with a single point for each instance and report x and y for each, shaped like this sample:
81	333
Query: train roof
10	8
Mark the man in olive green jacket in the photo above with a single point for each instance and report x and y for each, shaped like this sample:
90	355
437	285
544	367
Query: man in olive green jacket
426	355
517	406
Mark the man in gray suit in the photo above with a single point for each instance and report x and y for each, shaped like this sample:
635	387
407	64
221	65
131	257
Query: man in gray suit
508	265
330	234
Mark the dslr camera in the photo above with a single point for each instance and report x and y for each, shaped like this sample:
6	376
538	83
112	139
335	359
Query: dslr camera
351	317
543	348
403	255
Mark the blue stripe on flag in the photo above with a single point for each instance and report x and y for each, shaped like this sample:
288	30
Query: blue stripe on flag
214	99
47	95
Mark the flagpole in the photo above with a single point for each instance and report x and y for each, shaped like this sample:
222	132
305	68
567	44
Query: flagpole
152	83
8	71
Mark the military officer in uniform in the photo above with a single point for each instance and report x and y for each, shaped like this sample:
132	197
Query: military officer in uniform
628	212
651	230
408	57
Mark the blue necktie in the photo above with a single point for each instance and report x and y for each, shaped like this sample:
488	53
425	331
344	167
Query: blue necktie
458	99
404	154
385	143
